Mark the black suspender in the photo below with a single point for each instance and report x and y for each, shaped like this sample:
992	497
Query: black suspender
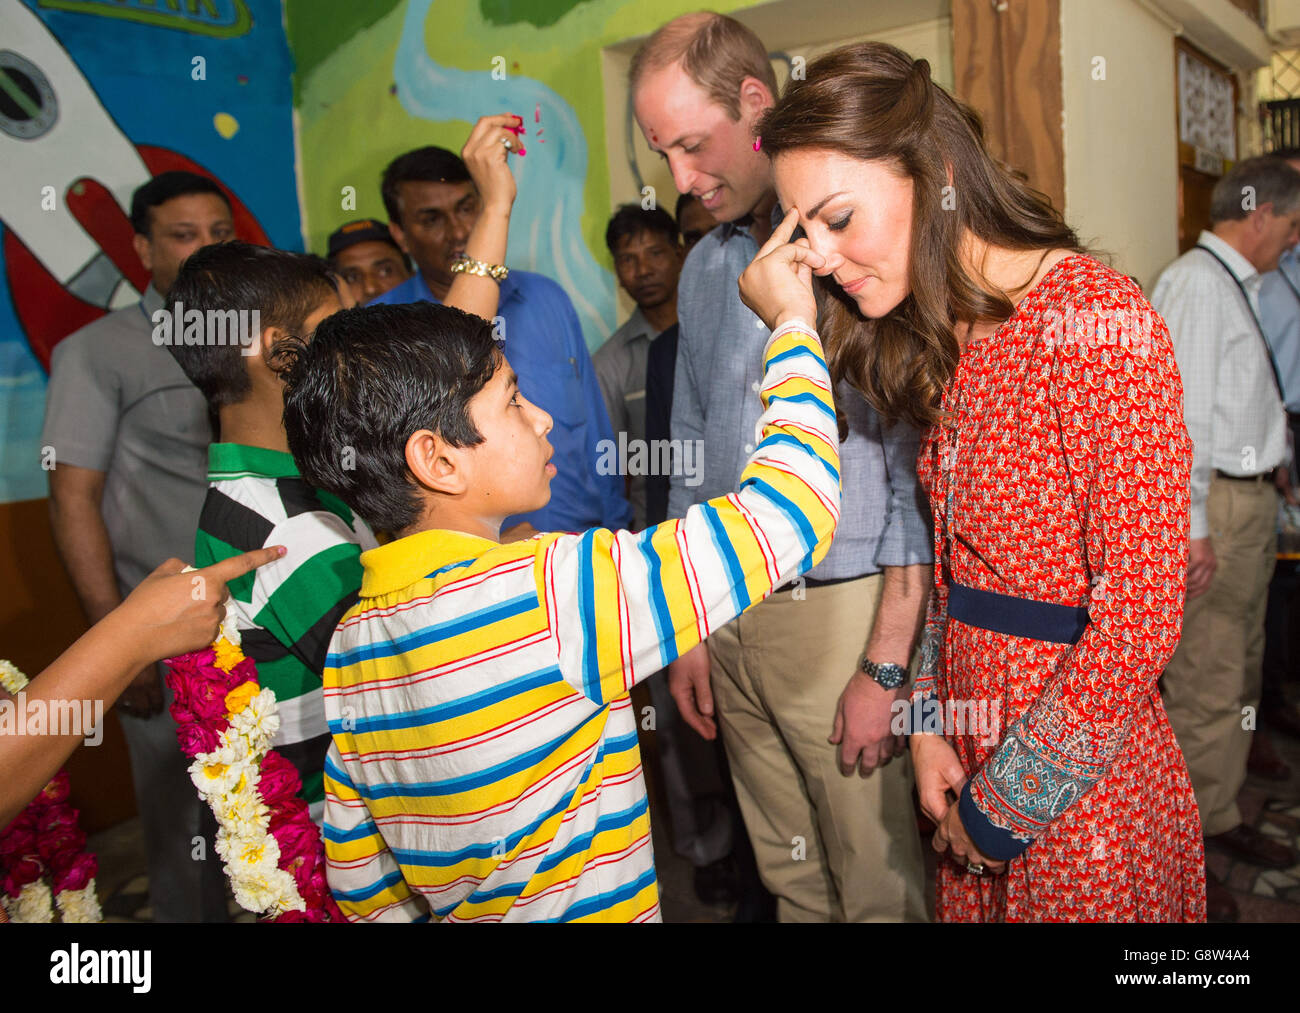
1259	328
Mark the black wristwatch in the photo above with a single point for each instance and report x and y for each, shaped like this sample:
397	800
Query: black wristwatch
889	676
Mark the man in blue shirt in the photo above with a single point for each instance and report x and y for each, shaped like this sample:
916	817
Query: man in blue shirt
1279	316
432	205
802	685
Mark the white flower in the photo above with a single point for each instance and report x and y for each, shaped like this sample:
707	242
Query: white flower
274	889
254	850
261	707
244	808
220	775
11	678
290	899
229	626
33	905
233	745
80	905
259	721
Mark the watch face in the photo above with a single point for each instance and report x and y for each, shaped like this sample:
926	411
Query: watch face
889	676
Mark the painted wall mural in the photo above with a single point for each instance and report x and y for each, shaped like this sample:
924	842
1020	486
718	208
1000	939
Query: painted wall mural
422	71
95	97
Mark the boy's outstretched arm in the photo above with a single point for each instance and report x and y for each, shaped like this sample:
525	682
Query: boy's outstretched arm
622	606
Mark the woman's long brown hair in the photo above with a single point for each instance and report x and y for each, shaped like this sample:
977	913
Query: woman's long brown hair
873	102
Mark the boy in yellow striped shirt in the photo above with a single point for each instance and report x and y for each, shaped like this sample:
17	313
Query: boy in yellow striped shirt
484	763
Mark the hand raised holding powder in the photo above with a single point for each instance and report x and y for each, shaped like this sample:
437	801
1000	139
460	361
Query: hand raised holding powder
485	155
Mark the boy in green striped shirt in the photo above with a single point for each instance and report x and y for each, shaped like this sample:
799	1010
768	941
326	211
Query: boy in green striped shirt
286	612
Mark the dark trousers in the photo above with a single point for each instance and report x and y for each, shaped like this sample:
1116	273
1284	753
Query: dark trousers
1282	620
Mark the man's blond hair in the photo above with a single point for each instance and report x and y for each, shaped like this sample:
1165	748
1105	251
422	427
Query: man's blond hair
715	51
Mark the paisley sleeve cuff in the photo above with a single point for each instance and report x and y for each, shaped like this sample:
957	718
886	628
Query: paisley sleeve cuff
992	841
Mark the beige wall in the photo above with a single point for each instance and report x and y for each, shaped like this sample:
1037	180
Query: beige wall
1121	178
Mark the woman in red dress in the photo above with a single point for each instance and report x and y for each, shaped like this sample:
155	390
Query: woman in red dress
955	298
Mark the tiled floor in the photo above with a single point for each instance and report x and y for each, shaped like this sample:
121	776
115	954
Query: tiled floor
1267	895
1261	895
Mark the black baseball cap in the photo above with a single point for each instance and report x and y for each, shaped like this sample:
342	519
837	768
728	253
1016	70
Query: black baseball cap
363	230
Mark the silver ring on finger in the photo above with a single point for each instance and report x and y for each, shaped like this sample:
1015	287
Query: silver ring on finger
975	868
508	144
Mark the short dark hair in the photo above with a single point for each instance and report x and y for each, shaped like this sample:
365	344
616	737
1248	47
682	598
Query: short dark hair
429	164
1286	154
632	219
683	200
285	288
1270	180
163	188
370	378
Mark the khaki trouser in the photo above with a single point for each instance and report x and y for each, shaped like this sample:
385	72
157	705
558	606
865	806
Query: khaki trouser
1215	674
829	847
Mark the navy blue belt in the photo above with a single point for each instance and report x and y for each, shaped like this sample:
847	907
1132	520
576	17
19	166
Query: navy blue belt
1018	617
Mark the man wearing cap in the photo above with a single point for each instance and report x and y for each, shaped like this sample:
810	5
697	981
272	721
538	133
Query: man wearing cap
365	256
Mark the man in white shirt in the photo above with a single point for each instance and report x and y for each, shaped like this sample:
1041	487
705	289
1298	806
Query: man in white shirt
1234	411
1279	312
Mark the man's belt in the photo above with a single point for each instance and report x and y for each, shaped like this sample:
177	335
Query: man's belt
1255	479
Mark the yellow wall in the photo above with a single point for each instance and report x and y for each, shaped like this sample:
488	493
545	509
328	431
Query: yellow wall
1121	143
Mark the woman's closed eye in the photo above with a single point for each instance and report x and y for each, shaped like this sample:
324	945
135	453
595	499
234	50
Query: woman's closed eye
841	223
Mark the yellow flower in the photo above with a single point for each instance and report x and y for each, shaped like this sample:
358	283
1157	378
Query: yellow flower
237	699
228	655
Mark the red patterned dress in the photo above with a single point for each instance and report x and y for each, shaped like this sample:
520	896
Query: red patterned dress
1060	475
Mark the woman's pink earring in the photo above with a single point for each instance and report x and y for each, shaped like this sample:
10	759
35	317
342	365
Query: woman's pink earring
758	143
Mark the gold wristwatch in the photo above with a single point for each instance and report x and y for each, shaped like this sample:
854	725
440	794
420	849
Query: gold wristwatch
468	265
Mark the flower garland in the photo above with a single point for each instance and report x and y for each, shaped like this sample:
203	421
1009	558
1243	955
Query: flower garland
42	852
272	851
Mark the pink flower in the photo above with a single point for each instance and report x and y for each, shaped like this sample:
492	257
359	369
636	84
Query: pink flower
320	902
245	671
76	874
189	664
208	701
185	669
19	838
26	870
279	781
56	817
298	846
181	714
195	738
290	811
57	790
179	683
59	845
